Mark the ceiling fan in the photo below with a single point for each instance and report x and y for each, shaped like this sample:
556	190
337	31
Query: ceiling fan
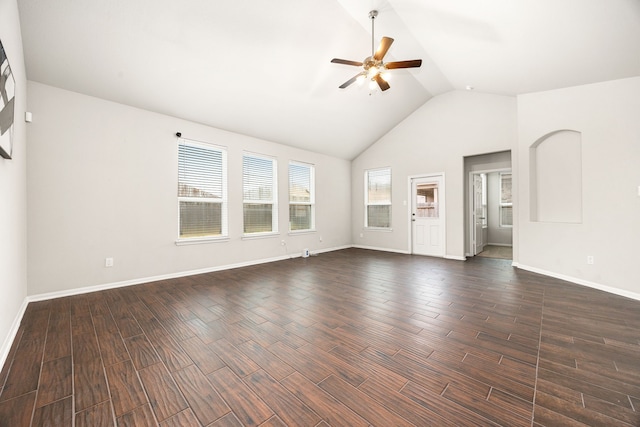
373	66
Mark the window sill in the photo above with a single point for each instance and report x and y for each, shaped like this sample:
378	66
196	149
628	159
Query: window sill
299	232
200	240
260	236
382	229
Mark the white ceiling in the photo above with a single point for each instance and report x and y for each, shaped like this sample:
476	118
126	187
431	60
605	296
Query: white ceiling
262	68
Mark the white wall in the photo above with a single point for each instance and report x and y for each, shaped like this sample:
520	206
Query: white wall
13	190
435	138
102	183
608	117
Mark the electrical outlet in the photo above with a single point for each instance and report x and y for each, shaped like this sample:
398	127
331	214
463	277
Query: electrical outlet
590	259
361	235
283	243
108	262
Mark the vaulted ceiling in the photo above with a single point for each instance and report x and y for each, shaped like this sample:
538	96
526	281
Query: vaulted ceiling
262	68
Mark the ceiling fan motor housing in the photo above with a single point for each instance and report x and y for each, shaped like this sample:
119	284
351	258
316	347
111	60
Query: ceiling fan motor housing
373	65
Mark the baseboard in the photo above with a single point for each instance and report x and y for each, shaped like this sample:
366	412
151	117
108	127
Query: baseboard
499	244
374	248
398	251
11	336
582	282
6	346
139	281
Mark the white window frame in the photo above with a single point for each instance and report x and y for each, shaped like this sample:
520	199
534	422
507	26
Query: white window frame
273	201
224	235
312	196
386	203
502	204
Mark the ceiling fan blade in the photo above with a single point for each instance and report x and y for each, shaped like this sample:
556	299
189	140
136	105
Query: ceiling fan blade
381	82
346	62
414	63
350	81
385	44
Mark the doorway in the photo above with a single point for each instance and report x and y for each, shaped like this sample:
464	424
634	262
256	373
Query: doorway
491	214
488	206
428	215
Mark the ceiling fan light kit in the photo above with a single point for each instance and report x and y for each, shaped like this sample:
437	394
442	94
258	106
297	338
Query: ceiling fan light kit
374	68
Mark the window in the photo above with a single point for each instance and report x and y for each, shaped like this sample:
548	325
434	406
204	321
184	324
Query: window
202	189
301	196
259	192
506	203
378	198
427	201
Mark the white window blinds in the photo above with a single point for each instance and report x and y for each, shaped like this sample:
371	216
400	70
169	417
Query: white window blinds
301	196
259	191
202	190
378	198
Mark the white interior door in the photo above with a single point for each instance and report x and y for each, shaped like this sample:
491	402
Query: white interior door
427	216
479	211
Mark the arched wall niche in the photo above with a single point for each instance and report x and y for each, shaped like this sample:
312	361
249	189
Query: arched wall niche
556	177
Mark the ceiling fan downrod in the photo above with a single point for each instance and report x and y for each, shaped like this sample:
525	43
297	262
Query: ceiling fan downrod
372	15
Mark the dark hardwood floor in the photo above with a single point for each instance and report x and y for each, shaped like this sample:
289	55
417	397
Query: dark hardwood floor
347	338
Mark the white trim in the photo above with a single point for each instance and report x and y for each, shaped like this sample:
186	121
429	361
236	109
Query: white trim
320	251
366	198
13	332
275	207
378	229
6	345
223	201
260	235
455	257
200	240
312	193
139	281
374	248
201	143
470	223
601	287
443	212
301	232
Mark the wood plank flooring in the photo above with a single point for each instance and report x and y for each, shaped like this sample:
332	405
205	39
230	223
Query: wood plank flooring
347	338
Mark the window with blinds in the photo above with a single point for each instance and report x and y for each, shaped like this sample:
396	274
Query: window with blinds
378	198
506	202
202	190
301	196
259	190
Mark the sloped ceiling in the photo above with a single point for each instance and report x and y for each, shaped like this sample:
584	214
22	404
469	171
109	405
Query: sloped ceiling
262	68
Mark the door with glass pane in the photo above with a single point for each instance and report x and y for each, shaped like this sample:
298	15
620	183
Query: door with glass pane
427	216
479	211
